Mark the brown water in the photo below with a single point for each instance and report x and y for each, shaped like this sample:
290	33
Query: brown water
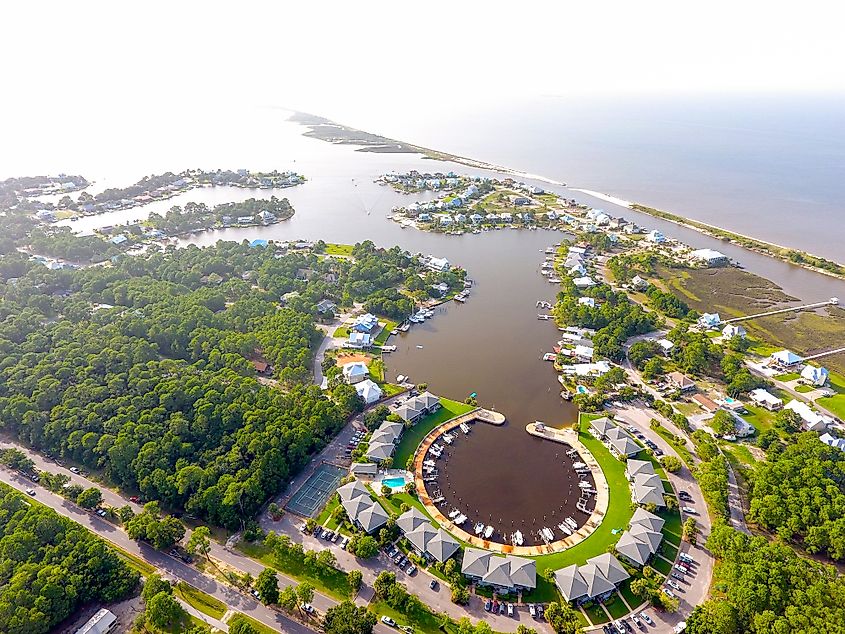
505	478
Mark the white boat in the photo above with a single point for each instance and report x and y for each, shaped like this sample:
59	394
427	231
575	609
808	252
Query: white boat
579	465
517	539
554	280
464	428
564	528
401	378
549	356
572	523
488	532
460	519
478	528
447	439
548	535
420	347
584	484
454	513
388	348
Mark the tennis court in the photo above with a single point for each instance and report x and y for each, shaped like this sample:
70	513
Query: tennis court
316	490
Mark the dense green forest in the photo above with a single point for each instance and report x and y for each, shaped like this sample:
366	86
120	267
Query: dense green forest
194	216
764	587
51	566
799	492
142	369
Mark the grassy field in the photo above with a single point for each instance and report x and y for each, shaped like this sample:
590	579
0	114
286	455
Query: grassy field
661	565
669	550
203	602
595	613
789	376
836	403
257	625
412	437
803	389
333	248
389	325
761	418
333	582
616	606
423	620
625	590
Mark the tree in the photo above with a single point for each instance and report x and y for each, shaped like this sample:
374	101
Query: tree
460	595
305	592
788	420
153	585
125	513
267	586
348	618
275	511
524	629
90	498
563	619
287	598
383	584
363	546
723	423
199	543
671	464
355	577
326	558
163	611
690	530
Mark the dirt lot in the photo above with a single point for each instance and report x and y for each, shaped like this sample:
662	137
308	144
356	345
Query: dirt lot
730	291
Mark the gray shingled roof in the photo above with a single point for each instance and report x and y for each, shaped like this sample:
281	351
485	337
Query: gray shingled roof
393	428
475	562
635	467
407	411
380	450
595	581
411	519
645	535
442	546
602	425
420	536
632	548
570	583
352	490
649	520
523	571
372	517
610	567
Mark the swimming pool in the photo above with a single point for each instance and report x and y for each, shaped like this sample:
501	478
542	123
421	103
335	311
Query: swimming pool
582	390
394	483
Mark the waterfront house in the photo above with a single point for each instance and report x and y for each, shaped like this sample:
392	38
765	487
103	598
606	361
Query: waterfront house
666	346
587	301
416	408
364	323
649	520
578	271
814	375
380	451
355	372
411	519
359	340
730	331
445	220
709	257
595	580
764	398
521	201
680	381
571	584
245	220
503	574
369	391
265	217
460	217
598	368
438	264
706	403
119	239
621	444
656	237
583	353
392	429
476	218
583	282
600	426
813	421
708	321
636	551
784	360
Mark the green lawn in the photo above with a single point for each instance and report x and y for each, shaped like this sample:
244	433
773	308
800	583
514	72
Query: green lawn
788	376
632	599
618	510
803	389
672	519
668	549
616	606
333	248
134	562
412	437
389	325
333	582
203	602
761	418
257	625
661	565
595	613
342	332
836	403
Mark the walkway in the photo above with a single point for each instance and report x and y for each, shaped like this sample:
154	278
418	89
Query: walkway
831	302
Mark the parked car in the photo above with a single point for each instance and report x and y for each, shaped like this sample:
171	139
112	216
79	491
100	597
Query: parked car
411	569
335	537
134	498
101	512
673	584
502	608
608	629
307	608
388	621
30	492
678	575
488	605
532	610
669	593
74	470
407	629
684	495
433	584
34	477
540	610
689	509
254	593
685	557
510	609
637	621
620	628
645	617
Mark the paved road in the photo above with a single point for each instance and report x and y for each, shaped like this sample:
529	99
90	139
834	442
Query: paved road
167	565
328	343
695	589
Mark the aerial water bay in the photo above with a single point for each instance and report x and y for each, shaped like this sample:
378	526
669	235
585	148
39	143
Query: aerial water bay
492	344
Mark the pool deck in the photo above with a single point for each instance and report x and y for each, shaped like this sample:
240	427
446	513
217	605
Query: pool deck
564	436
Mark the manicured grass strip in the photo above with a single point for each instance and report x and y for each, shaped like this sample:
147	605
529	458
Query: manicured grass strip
545	592
661	565
422	620
595	613
326	513
616	606
669	550
411	438
134	562
581	618
258	625
672	519
203	602
332	582
389	325
803	389
632	599
672	538
788	376
836	404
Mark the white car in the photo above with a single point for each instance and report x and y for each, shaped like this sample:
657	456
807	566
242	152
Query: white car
307	608
689	510
645	617
510	609
673	584
74	470
388	621
30	492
